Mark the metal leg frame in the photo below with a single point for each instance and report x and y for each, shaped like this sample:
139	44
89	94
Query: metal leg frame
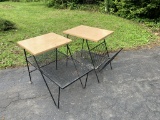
86	81
67	58
56	58
107	53
109	61
59	89
29	72
82	46
68	50
48	86
92	60
67	55
83	86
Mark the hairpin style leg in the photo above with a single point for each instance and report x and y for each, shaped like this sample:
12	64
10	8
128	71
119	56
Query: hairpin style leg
107	53
82	46
67	56
86	81
68	50
47	85
84	86
92	60
56	58
59	91
109	61
29	72
76	68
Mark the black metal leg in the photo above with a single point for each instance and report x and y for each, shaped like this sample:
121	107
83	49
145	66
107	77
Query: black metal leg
59	96
68	50
81	83
92	61
84	86
27	66
67	57
67	53
86	81
107	53
45	82
82	47
48	89
109	61
56	58
74	64
82	44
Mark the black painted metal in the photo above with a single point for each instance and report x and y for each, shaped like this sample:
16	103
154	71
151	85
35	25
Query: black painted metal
109	61
45	81
96	56
92	60
59	96
86	81
75	66
29	72
107	52
47	63
96	46
82	46
56	58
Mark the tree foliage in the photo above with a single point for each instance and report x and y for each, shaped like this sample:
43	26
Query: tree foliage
124	8
135	8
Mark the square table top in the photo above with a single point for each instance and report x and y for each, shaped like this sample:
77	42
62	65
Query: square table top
88	33
43	43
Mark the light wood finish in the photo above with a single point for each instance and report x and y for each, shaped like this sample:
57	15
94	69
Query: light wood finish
43	43
88	33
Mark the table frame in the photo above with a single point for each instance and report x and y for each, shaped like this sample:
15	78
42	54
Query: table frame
81	34
45	56
105	62
43	75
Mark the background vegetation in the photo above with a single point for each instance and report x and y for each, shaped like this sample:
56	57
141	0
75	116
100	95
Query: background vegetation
145	11
6	25
30	19
124	8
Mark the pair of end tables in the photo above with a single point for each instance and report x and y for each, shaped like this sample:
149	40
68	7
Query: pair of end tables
64	68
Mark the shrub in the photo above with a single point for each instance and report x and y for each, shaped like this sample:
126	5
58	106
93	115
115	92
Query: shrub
62	4
6	25
130	9
133	9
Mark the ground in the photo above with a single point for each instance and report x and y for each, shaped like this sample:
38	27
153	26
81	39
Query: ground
131	91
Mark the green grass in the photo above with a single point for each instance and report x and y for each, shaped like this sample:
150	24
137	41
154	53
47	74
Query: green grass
33	19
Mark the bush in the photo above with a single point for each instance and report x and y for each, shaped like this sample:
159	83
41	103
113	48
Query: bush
63	4
133	9
6	25
130	9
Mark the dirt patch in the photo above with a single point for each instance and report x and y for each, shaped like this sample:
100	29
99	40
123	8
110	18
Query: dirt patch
157	34
6	6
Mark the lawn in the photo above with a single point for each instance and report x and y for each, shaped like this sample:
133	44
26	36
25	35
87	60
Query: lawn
33	19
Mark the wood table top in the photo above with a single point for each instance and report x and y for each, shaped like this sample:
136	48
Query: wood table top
88	33
43	43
